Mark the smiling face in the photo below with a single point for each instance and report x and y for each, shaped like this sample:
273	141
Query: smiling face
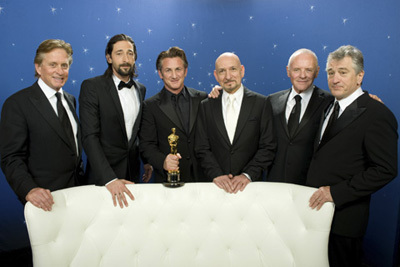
173	73
122	60
54	68
342	77
302	71
229	72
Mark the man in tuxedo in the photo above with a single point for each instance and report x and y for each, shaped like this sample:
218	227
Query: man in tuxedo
296	122
110	113
234	135
39	131
175	106
355	155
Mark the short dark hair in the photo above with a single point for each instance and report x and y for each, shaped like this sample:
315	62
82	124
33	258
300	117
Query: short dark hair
170	53
110	47
47	46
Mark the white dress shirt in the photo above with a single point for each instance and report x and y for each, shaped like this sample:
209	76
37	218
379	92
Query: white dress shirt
130	103
236	104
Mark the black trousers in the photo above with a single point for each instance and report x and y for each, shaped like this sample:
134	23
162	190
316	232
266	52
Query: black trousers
345	251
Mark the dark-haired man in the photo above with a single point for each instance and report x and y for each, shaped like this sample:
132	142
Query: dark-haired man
39	131
175	106
110	112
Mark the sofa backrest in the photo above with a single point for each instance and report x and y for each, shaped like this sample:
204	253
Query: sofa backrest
268	224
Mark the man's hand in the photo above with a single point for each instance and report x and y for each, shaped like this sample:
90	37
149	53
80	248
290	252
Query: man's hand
239	183
148	170
322	195
171	162
215	92
40	198
117	189
375	97
224	182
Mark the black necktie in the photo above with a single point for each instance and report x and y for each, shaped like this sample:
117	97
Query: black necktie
65	122
332	119
294	117
123	84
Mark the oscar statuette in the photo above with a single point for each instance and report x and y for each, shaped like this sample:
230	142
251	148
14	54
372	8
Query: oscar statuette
173	177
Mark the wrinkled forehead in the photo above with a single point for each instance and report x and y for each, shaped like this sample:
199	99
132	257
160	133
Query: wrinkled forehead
345	63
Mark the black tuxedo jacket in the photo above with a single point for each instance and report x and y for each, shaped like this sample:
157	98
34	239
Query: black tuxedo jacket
159	117
110	154
253	145
358	159
34	148
293	154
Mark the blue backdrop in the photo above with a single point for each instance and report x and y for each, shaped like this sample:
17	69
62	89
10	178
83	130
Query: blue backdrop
263	33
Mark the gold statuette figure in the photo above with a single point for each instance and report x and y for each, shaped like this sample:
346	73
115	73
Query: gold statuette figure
173	176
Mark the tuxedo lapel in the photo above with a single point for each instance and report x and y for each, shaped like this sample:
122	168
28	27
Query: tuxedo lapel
72	104
110	87
44	107
195	100
281	110
136	125
168	108
216	112
245	111
315	101
352	112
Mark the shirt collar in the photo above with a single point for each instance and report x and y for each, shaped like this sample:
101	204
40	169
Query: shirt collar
117	81
183	92
238	95
305	95
47	90
345	102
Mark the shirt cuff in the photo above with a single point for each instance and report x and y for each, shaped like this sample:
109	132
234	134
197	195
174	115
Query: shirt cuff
248	176
110	181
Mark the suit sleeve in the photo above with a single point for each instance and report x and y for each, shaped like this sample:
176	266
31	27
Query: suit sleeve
203	148
380	146
148	139
264	156
14	136
90	123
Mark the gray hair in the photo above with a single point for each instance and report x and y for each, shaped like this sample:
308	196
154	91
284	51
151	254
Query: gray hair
348	51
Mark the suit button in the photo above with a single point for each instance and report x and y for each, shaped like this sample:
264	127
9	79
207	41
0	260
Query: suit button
189	141
188	158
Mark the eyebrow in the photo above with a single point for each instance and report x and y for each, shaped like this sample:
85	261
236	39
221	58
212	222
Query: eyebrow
121	50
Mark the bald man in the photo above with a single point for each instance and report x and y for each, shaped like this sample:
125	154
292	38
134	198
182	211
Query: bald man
295	143
234	135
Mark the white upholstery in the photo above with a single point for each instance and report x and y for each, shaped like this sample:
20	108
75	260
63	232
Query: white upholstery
269	224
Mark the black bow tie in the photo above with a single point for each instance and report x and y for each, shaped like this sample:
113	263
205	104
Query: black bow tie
123	85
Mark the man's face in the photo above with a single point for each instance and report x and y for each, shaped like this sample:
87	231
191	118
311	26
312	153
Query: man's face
229	72
122	59
54	68
342	78
302	71
173	74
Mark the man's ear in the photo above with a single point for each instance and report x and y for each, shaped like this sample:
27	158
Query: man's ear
109	59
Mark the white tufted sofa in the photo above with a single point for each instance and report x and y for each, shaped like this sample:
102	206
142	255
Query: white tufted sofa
268	224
